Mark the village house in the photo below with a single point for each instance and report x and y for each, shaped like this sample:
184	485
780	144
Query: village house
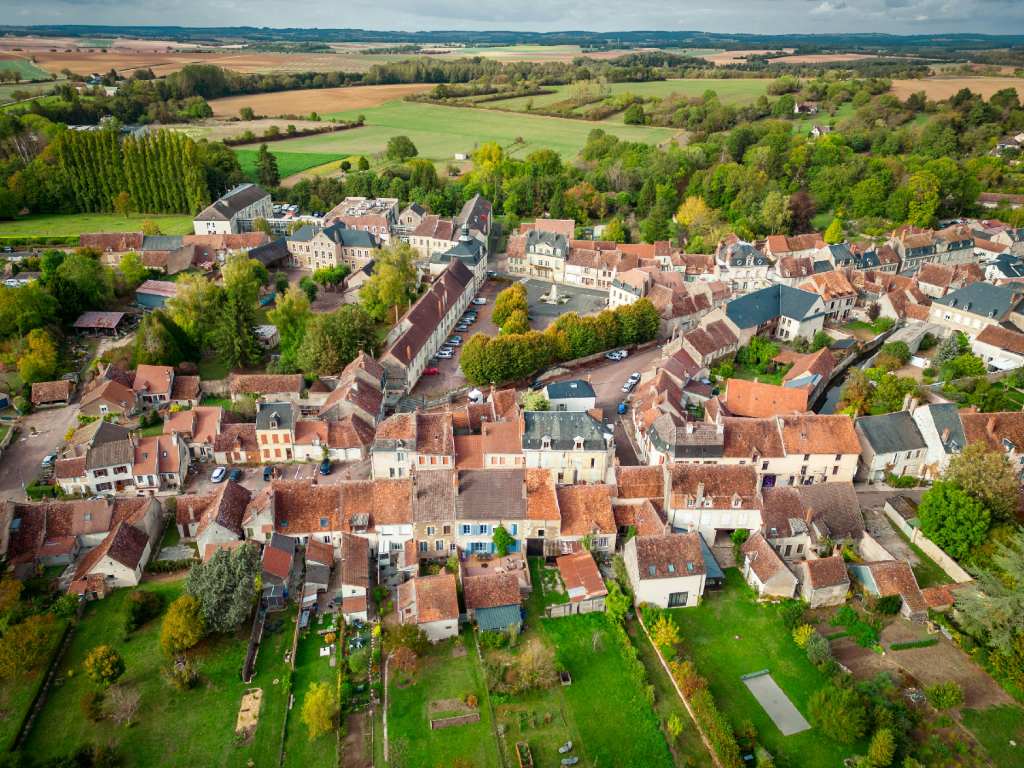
666	571
213	520
96	432
493	601
943	435
467	249
407	441
778	247
540	248
971	308
433	513
777	312
836	293
234	212
574	395
936	280
543	522
277	566
765	570
198	427
277	387
236	444
583	583
160	464
485	500
431	603
823	581
355	577
107	398
1002	431
887	578
753	399
1000	348
275	431
891	444
575	447
714	340
311	247
153	385
105	468
586	516
713	500
799	520
742	265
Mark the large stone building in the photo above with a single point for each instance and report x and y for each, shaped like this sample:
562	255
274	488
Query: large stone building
234	212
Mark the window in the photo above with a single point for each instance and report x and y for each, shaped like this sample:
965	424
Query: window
678	599
807	457
439	545
466	529
764	466
430	530
423	546
100	473
835	471
789	549
121	470
275	438
447	529
799	549
839	457
540	533
277	453
601	542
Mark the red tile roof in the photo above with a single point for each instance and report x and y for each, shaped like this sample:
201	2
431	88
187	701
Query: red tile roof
44	392
754	399
491	591
435	597
581	577
826	572
672	556
586	509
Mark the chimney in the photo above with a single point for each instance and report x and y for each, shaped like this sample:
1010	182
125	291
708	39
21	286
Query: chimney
945	435
914	403
907	400
700	490
689	427
990	426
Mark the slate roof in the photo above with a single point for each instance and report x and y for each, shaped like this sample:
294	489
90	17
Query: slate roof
563	427
111	453
891	432
266	413
570	389
765	305
270	253
946	416
985	299
232	202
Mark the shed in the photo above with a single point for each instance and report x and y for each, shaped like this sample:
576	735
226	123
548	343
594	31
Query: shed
498	619
99	322
153	294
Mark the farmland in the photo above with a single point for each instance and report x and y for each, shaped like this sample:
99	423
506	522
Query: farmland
729	92
439	132
26	69
320	100
288	163
939	88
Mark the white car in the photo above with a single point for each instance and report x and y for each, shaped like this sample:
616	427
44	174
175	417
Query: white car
479	301
218	475
49	460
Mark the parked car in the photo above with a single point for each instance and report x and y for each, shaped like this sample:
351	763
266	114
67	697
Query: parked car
479	301
235	475
268	473
431	371
462	328
491	273
445	354
615	355
455	341
218	475
325	467
631	382
49	460
623	406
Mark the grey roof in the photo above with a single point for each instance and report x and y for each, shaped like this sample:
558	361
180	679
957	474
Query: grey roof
336	233
946	416
563	427
162	242
475	213
671	438
769	303
467	249
841	253
1010	265
282	542
555	240
232	202
110	454
868	260
891	432
283	411
491	494
984	299
743	254
570	389
100	432
822	266
711	567
270	253
318	573
497	619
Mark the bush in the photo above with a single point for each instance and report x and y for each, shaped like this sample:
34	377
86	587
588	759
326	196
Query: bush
818	650
792	614
104	665
945	695
929	641
140	607
901	481
839	713
182	674
887	606
802	634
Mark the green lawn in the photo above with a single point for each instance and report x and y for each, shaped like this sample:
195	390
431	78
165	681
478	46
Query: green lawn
439	132
310	667
441	675
730	635
213	369
61	225
16	695
994	728
7	91
287	162
172	728
743	372
152	430
803	125
688	749
605	701
730	91
26	69
548	588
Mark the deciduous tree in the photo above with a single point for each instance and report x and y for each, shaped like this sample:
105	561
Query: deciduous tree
104	665
195	308
290	316
988	476
183	625
392	285
953	519
319	709
38	360
332	340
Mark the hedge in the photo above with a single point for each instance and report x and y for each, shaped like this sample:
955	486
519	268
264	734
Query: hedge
39	240
712	721
914	644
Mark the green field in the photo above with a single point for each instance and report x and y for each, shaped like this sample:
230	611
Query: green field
62	225
16	695
171	727
729	91
287	162
7	91
995	727
730	635
439	132
26	69
310	667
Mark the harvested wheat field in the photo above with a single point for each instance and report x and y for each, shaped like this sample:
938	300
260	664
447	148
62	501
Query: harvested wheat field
218	130
321	100
824	58
722	58
941	88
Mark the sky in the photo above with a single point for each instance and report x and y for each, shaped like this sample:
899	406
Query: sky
755	16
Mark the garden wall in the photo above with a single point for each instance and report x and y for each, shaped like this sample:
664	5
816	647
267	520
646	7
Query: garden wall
929	547
214	387
448	722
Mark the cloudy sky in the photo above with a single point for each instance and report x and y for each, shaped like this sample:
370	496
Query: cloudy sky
760	16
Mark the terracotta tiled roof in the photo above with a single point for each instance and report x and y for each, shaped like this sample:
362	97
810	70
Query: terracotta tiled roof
277	562
355	561
491	591
821	362
116	242
830	285
435	596
640	482
236	437
201	423
109	391
581	577
826	572
44	392
541	499
764	561
469	452
185	388
671	556
1002	338
642	516
501	436
586	509
754	399
995	429
434	434
66	469
895	577
400	426
265	384
301	508
126	545
723	484
745	438
433	495
153	379
819	433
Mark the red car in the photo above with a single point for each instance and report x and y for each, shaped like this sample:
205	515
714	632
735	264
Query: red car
430	371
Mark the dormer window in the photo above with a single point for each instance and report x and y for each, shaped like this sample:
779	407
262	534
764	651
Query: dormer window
652	570
323	522
707	501
545	442
577	443
736	501
690	501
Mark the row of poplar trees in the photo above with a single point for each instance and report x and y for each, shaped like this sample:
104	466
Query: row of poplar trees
160	171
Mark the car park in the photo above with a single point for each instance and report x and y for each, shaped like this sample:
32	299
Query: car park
218	475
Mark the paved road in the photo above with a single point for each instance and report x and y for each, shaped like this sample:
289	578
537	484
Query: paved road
23	458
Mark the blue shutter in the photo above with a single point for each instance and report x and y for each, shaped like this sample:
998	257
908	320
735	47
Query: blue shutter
515	529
